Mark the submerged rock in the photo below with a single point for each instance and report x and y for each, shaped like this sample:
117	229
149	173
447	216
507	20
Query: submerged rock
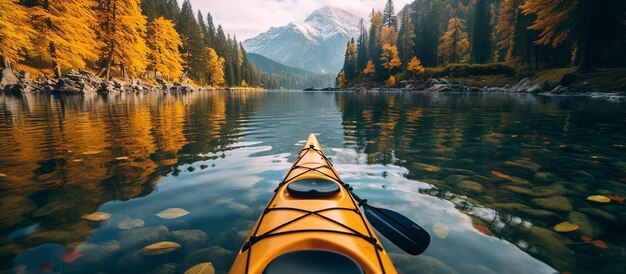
551	190
470	186
14	209
420	264
557	203
140	237
221	258
552	249
191	240
583	177
97	253
524	164
586	226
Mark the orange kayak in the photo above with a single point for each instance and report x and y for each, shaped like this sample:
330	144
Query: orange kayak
312	224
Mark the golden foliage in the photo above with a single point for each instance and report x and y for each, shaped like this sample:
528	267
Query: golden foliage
454	43
550	15
216	68
415	66
15	30
370	68
203	268
391	81
65	33
341	79
164	42
388	35
565	227
123	33
389	57
599	199
161	248
172	213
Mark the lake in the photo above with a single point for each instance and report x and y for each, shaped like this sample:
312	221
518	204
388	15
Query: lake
487	175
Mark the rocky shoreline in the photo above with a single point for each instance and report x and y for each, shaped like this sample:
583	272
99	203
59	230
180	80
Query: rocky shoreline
564	87
80	82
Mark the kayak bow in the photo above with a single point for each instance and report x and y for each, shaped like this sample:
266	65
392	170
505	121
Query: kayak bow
312	224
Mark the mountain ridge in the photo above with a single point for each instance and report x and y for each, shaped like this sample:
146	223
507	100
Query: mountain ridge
316	44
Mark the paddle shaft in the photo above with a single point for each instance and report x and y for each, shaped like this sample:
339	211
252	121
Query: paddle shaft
398	229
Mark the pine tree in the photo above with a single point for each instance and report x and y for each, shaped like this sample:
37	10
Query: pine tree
154	9
164	41
374	49
210	38
431	31
350	63
481	32
65	35
589	24
123	32
389	16
193	49
215	67
507	29
16	31
415	21
406	37
362	47
454	44
173	10
390	58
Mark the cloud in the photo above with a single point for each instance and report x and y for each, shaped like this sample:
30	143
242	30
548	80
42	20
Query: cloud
247	18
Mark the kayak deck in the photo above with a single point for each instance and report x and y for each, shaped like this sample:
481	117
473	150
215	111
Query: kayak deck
312	215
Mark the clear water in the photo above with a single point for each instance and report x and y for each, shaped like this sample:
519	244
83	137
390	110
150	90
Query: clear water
480	172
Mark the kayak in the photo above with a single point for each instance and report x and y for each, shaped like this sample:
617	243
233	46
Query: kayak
312	224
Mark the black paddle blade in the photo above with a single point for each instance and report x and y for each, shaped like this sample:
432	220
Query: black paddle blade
398	229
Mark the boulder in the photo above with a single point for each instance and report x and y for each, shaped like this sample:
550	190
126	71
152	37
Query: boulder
430	82
140	237
586	226
191	240
97	253
567	79
221	258
526	86
421	264
8	78
555	203
551	248
470	186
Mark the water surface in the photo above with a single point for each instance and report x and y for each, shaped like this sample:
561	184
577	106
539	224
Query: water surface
488	175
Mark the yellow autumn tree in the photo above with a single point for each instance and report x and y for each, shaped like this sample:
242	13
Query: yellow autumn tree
370	68
391	81
389	58
388	35
65	33
164	43
341	79
454	43
15	31
415	66
123	32
216	68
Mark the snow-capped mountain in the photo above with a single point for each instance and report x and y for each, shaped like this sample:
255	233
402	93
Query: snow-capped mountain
318	44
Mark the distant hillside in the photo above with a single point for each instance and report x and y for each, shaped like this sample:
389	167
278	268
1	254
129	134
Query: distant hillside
267	65
275	75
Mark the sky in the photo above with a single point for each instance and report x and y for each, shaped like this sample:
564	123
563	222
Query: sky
248	18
